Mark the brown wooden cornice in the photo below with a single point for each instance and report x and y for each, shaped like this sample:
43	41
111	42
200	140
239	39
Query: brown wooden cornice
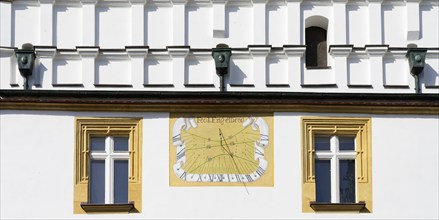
377	103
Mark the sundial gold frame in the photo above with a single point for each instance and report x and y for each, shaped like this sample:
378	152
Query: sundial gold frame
221	149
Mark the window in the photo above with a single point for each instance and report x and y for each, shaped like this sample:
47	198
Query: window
108	170
341	145
316	48
107	165
315	40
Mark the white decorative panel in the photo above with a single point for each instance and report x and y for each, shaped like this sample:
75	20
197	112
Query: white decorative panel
395	33
239	23
67	28
113	72
9	70
26	24
357	21
5	24
241	71
158	72
113	25
5	67
277	31
318	77
396	72
431	72
200	71
159	28
359	72
199	26
429	32
277	71
67	72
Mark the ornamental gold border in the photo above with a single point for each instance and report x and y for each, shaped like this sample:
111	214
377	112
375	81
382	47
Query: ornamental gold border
84	127
266	180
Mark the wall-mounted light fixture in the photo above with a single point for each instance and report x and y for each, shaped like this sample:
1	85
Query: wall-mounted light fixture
416	57
221	54
25	60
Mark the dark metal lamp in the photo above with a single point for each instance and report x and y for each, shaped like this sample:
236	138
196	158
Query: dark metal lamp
26	60
416	57
221	54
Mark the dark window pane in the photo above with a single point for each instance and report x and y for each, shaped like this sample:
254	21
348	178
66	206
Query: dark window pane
316	51
323	180
97	181
120	143
346	143
97	143
347	181
121	181
322	143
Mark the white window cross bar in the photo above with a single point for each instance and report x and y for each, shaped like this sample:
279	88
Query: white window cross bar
335	155
109	156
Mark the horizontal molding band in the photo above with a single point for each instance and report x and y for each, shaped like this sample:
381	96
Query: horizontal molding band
142	101
127	48
206	2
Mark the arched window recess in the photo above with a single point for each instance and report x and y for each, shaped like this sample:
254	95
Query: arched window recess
316	42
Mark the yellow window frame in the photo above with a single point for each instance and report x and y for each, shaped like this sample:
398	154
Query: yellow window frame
87	127
361	128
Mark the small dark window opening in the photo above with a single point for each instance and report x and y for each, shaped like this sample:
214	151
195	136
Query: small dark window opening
316	47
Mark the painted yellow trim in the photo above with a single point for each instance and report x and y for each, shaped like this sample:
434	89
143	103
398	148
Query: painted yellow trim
361	128
84	128
243	108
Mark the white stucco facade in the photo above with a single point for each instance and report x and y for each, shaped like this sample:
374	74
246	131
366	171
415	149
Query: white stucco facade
37	170
373	60
139	49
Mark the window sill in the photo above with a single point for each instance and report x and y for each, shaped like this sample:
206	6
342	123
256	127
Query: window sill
107	208
337	207
317	67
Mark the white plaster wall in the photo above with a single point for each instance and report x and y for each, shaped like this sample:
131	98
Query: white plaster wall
241	72
196	73
67	33
240	24
431	76
396	72
25	26
394	29
357	20
67	72
36	164
37	171
277	71
7	69
111	24
276	25
6	24
409	180
159	26
109	18
158	71
113	72
358	72
199	26
429	25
